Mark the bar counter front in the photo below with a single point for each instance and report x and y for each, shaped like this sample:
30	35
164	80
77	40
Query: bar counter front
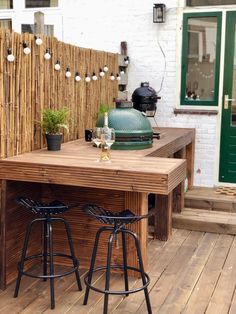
73	175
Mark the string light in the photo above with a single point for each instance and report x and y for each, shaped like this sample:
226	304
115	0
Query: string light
57	66
47	55
26	49
77	77
105	69
94	77
38	41
10	56
126	60
118	77
101	73
68	72
112	77
87	78
122	72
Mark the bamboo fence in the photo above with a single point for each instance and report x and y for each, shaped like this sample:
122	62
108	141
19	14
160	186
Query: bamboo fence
30	84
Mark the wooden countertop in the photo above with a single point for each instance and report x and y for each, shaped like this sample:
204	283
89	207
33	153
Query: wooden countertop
76	164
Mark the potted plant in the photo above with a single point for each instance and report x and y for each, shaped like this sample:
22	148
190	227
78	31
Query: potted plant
52	123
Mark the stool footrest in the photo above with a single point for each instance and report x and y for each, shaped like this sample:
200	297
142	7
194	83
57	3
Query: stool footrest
40	255
117	292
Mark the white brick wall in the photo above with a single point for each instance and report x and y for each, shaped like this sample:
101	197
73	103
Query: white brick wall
104	24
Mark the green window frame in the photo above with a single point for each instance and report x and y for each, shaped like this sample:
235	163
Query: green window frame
184	67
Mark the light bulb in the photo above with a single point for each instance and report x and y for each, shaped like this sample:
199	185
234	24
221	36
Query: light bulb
87	78
26	49
77	77
122	72
68	72
126	60
38	41
105	69
118	77
57	66
47	55
101	73
10	56
112	77
94	77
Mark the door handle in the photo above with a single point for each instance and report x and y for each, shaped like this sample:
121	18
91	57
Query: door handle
226	101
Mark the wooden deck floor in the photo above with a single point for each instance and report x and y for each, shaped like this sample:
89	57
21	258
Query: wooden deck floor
194	272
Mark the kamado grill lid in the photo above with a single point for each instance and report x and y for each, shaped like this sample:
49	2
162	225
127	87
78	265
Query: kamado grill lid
133	130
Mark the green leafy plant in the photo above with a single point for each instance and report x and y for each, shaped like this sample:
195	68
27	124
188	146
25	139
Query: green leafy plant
103	109
53	121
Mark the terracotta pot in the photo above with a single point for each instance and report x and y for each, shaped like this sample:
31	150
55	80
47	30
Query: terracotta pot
54	141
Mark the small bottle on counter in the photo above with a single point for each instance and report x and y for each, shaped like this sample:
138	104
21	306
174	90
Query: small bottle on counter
105	152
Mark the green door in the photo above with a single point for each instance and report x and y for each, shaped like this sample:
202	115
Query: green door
227	171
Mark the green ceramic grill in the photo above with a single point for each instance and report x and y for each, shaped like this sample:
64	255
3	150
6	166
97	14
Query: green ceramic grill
133	130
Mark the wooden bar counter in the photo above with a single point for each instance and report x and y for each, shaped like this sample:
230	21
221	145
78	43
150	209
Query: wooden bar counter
73	175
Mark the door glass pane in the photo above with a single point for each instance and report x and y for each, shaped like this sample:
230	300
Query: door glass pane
233	103
29	28
6	4
41	3
6	23
193	3
201	59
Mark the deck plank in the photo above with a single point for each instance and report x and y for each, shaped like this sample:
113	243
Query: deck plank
223	293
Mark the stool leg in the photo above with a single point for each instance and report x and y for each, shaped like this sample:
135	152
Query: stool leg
92	263
72	251
51	265
125	262
142	271
23	255
108	272
45	249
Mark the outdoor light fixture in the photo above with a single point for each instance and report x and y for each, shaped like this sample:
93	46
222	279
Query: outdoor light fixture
101	73
126	60
77	77
38	41
68	72
26	48
159	13
94	77
10	56
47	55
87	78
57	65
105	69
112	77
118	77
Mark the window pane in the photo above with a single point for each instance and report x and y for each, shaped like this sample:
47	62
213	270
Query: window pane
193	3
6	4
201	58
29	28
41	3
6	24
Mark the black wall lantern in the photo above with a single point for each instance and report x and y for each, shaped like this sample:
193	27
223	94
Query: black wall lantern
159	13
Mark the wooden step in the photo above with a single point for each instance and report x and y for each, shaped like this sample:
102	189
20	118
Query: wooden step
205	220
207	198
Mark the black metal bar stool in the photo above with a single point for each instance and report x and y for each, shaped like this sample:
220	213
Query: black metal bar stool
47	211
118	221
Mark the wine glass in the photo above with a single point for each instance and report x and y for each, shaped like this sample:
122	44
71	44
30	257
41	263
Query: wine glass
97	136
109	137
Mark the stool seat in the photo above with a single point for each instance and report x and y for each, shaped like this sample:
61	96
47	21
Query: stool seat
46	254
53	208
116	222
108	217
